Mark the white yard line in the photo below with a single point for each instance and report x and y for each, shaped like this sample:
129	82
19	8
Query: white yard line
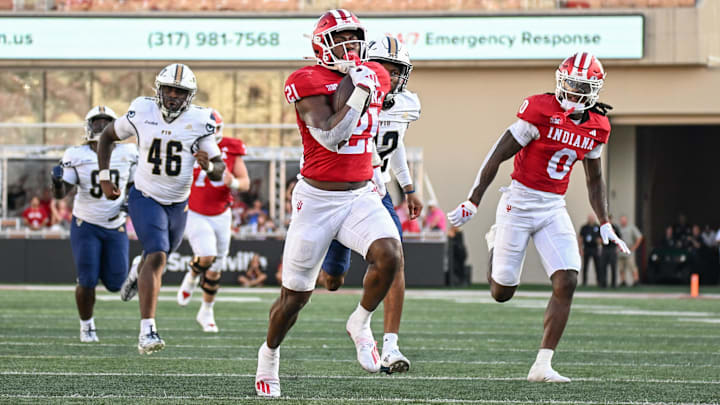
335	399
410	293
323	360
352	377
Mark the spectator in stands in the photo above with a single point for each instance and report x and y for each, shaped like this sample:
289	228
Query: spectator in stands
34	216
681	229
708	236
61	215
46	203
627	262
265	224
238	212
669	241
435	218
255	275
251	215
589	242
609	257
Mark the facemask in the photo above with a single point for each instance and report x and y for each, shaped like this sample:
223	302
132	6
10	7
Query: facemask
567	104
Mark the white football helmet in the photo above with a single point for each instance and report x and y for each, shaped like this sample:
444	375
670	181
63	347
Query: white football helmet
390	49
179	76
100	111
218	125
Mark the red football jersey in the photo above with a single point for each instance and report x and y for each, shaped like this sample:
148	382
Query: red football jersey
545	163
352	162
209	197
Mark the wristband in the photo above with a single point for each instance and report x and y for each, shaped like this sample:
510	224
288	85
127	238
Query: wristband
210	167
357	99
409	192
234	184
104	175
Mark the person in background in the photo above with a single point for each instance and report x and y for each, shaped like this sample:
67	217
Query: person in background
435	218
609	258
61	215
589	243
255	275
627	262
34	216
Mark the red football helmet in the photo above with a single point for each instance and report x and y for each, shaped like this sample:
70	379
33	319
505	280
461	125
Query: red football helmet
218	125
581	76
322	42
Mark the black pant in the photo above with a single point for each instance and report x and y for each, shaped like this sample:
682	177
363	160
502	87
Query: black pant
595	255
609	258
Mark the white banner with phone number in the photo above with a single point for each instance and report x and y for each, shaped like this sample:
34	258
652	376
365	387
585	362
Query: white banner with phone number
278	39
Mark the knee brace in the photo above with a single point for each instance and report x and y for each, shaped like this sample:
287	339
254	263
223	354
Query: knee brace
197	268
210	286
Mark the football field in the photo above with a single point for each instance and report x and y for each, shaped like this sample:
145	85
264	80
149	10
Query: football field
619	348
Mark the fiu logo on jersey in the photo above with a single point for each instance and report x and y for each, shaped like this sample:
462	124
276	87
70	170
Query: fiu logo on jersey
131	114
570	138
210	128
151	122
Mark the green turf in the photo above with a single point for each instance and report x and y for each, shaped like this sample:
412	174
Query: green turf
464	349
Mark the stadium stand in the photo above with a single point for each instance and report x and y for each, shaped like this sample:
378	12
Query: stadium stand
316	5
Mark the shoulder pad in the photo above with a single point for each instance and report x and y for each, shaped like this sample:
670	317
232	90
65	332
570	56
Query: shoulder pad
141	105
406	108
600	125
234	146
538	108
77	156
203	117
311	81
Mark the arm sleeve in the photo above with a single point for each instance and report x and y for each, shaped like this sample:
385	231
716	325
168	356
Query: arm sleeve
524	132
595	153
208	144
399	165
341	132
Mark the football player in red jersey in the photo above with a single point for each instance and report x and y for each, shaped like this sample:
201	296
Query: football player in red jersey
334	199
552	132
209	224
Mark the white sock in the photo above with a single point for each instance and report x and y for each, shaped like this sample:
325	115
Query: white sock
544	357
390	342
268	351
361	317
207	306
88	324
147	325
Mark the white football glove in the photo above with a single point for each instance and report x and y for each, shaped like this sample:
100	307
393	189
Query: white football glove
363	76
463	213
608	234
377	180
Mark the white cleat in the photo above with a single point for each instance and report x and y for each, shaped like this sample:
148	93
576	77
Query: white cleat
206	319
88	334
267	377
150	343
186	288
366	347
490	237
545	374
394	362
129	287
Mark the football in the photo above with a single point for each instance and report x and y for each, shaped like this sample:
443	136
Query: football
342	93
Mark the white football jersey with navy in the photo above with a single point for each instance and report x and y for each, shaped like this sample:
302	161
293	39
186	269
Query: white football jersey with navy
390	145
80	167
165	166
